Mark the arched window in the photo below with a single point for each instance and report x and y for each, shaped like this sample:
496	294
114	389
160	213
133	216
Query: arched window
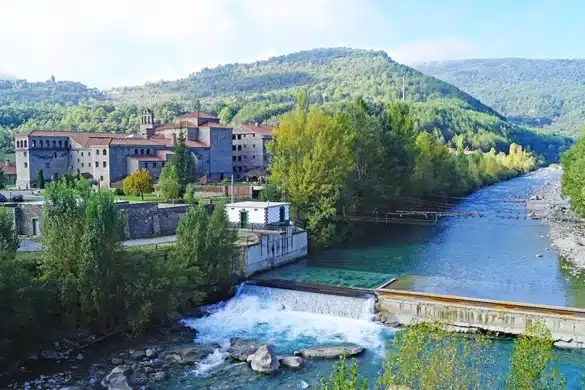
34	144
97	152
47	143
141	151
25	143
54	143
135	151
104	152
60	144
104	164
66	145
147	151
17	143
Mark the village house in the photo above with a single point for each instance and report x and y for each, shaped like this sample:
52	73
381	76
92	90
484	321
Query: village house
109	157
250	158
9	171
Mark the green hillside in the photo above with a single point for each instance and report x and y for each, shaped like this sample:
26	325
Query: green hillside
540	93
264	90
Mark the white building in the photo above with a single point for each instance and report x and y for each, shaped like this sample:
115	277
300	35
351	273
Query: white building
258	214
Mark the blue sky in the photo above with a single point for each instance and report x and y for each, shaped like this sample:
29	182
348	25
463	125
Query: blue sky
125	42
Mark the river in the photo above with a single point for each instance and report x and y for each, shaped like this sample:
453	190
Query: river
500	255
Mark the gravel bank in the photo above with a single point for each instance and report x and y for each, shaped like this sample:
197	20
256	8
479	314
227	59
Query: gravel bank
566	229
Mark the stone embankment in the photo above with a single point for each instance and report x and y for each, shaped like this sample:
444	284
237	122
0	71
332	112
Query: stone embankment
566	229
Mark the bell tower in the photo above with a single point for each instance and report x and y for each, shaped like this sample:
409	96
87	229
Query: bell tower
147	123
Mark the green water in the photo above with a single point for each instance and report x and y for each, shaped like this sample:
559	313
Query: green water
495	257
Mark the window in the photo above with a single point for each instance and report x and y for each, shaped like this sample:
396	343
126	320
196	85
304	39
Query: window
239	158
101	178
154	165
135	151
26	165
25	143
82	165
47	143
81	154
233	158
97	164
253	135
78	161
145	165
89	153
34	144
60	144
147	151
104	164
233	147
47	165
233	136
239	147
239	136
141	151
104	152
239	169
66	144
253	146
54	143
25	153
245	146
253	157
245	157
97	152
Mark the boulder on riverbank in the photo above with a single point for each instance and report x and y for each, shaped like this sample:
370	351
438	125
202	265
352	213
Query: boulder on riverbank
187	354
119	378
291	361
264	360
240	348
330	352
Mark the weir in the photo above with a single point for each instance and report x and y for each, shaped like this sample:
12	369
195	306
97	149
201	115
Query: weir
400	307
356	307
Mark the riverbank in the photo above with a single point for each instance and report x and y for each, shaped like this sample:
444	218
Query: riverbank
566	229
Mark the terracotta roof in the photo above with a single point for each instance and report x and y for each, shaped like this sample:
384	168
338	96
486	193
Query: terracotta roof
8	169
180	125
134	141
198	114
147	158
56	133
213	124
262	130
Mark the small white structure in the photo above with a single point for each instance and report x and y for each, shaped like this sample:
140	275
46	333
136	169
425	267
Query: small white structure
245	214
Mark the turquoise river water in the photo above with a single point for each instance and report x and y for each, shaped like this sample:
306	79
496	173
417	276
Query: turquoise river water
494	256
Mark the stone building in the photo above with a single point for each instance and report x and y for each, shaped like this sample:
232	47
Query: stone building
250	158
9	171
110	157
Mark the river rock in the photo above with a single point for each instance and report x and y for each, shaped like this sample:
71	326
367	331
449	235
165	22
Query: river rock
137	354
186	354
160	376
117	361
240	348
118	378
330	352
49	354
291	361
304	385
150	353
264	360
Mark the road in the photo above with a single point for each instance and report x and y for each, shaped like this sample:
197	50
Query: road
28	196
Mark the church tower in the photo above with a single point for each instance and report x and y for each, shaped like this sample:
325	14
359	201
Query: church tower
147	123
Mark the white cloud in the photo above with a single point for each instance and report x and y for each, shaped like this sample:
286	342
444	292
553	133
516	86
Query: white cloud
433	50
121	42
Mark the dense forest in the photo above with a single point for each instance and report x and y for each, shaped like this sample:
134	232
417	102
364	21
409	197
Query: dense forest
264	91
537	93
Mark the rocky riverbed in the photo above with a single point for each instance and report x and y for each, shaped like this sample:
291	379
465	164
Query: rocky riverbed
566	229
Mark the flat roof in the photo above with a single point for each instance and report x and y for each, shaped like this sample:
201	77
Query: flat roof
257	205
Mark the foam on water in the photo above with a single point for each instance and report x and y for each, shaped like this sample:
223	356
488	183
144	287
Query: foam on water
291	320
211	362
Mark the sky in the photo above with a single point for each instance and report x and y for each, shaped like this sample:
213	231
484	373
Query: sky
107	43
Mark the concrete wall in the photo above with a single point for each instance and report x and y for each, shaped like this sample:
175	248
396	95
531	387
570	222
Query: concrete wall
567	330
274	251
255	215
24	214
220	155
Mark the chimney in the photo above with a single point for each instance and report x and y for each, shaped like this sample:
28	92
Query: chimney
174	136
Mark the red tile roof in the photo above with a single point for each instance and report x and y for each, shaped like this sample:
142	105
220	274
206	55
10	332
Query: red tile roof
8	169
262	130
198	114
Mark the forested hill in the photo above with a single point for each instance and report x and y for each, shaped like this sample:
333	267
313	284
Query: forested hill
330	75
264	91
539	93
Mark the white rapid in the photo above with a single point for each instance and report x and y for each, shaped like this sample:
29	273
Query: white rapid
289	320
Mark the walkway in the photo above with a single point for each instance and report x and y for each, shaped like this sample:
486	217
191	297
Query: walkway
28	245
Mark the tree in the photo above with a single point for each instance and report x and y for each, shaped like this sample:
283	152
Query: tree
184	163
140	182
9	241
344	377
270	193
41	179
206	249
2	179
168	182
189	195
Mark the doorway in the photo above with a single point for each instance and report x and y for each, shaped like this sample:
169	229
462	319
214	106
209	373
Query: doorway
36	227
282	215
243	219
